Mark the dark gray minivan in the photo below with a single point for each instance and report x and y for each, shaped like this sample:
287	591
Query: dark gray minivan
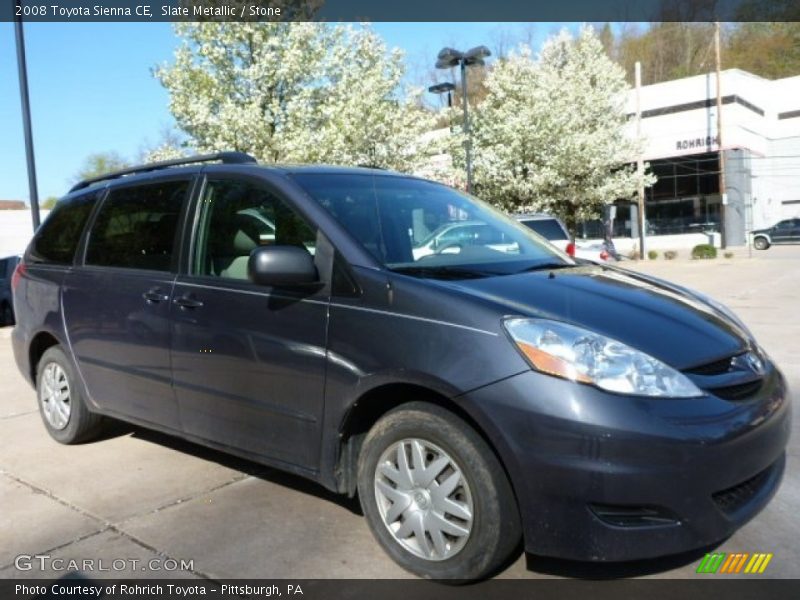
474	394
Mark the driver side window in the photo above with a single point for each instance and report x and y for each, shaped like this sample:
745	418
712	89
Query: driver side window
237	217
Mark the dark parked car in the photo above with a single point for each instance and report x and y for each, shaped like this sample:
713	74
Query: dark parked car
783	232
7	266
470	398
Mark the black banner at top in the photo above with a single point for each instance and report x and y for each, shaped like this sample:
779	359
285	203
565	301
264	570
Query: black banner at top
400	10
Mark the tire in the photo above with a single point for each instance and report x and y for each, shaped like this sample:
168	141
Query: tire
482	501
61	404
761	243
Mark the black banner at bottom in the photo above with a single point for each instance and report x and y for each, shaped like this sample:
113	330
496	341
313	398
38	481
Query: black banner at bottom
707	588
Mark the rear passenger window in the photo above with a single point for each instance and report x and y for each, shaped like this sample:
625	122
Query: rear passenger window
136	227
57	239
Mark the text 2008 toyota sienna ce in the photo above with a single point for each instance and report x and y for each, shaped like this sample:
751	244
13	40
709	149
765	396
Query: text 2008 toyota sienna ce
487	390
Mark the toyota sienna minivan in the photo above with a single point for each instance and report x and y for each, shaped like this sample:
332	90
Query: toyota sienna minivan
475	397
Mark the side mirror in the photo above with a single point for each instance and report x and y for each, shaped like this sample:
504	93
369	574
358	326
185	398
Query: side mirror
281	266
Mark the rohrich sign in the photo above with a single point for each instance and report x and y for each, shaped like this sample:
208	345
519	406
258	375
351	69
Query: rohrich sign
699	142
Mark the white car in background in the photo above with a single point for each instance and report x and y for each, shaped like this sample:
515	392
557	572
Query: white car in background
554	231
451	237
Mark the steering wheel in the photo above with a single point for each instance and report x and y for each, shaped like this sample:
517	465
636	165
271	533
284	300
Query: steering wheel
449	245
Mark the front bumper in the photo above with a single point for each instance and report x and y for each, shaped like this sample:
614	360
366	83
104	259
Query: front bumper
694	469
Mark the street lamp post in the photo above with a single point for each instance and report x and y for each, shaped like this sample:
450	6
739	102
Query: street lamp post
26	121
449	58
444	88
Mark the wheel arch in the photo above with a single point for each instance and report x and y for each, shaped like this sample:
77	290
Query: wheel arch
40	343
376	402
763	236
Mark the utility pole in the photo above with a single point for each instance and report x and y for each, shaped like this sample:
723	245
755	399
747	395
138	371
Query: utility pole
640	162
468	140
26	121
722	193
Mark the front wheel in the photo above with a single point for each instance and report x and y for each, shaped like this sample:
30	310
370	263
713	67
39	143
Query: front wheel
435	496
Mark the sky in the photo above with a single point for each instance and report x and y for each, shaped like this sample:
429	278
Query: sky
91	88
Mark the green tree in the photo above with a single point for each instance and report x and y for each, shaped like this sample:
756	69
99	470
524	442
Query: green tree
771	50
667	51
49	202
671	50
100	163
606	36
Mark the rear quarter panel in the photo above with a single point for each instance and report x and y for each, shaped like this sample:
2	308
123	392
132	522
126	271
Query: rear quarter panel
37	304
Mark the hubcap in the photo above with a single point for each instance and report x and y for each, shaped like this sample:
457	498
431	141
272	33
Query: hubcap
424	499
54	396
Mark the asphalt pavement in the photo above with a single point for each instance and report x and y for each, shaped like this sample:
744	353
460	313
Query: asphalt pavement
169	508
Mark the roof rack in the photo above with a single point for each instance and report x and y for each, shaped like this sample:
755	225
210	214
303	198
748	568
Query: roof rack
231	158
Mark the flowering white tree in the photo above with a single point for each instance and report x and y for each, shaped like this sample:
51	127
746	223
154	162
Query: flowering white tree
549	135
294	92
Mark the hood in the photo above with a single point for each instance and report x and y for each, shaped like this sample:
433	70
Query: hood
666	321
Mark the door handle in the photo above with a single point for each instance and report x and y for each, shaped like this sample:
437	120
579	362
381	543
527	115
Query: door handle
188	301
154	295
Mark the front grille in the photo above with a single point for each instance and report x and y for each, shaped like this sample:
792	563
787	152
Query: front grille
633	516
735	497
739	391
718	367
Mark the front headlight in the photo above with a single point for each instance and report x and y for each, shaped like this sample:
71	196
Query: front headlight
579	355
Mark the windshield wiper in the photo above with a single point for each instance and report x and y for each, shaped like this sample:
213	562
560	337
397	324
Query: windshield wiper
444	272
547	266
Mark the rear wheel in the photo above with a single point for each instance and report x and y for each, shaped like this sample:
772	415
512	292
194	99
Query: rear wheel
761	243
435	496
63	410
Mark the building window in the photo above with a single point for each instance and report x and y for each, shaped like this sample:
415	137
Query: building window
685	199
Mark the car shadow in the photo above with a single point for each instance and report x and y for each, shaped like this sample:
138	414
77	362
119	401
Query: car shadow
278	477
535	564
614	570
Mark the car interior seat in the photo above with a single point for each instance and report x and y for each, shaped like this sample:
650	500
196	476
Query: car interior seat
229	257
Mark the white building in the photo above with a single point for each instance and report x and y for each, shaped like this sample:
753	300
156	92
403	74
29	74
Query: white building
761	145
16	230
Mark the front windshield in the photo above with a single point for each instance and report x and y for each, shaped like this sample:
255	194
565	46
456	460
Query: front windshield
421	227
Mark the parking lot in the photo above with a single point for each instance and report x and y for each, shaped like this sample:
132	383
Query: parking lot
138	495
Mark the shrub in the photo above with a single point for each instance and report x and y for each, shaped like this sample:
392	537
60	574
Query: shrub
704	251
652	254
670	254
728	255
